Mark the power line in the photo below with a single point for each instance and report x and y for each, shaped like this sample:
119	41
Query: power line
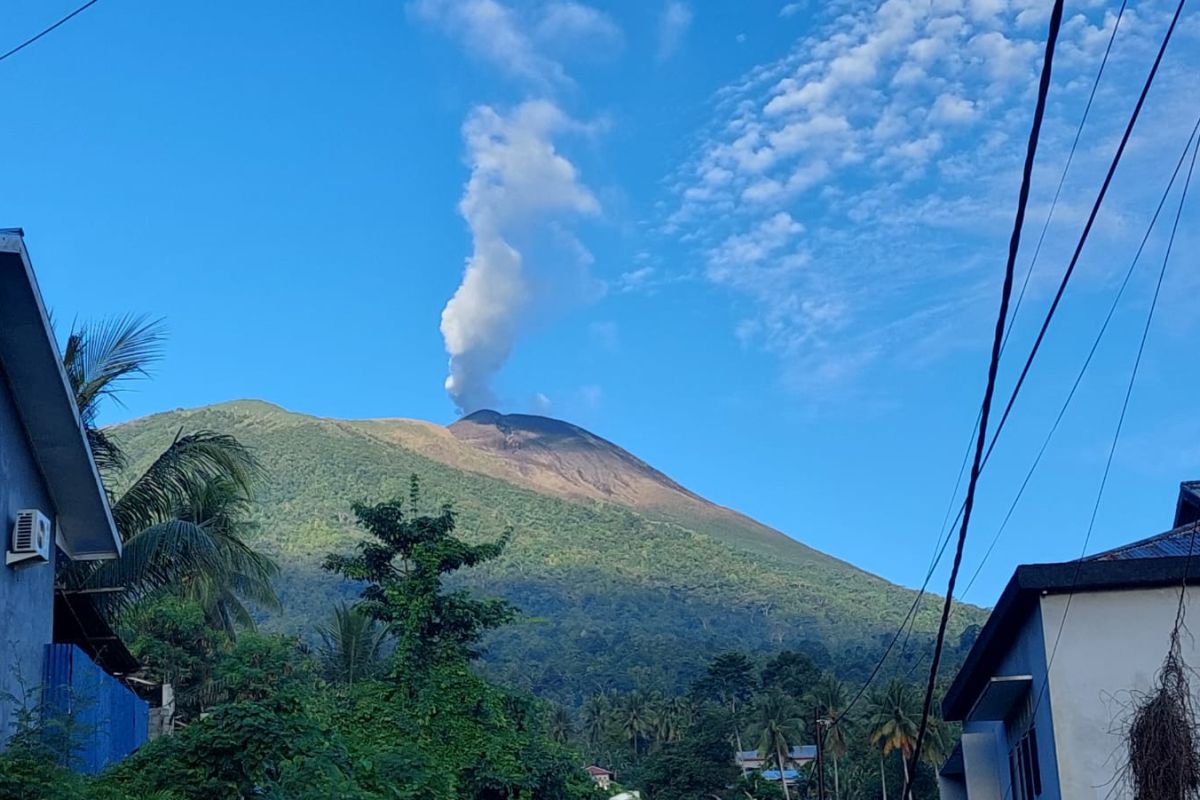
1091	353
1063	178
52	28
1116	438
940	544
1087	228
993	368
1037	344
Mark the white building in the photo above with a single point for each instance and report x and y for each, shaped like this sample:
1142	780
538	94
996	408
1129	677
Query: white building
1048	687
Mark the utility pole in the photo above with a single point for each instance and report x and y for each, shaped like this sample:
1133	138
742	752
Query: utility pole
820	724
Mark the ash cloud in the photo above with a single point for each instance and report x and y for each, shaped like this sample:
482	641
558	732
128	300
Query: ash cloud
518	181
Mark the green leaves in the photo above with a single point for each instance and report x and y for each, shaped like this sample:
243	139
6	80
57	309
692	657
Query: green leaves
183	517
403	567
352	645
99	357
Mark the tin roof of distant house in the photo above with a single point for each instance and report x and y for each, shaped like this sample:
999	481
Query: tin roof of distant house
773	774
596	772
46	407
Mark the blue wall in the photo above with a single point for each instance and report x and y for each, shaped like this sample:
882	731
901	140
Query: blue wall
26	591
106	721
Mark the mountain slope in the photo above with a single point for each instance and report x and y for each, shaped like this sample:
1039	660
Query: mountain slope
624	576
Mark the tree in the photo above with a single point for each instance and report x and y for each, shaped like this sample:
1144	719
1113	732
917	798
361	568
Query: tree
403	566
695	766
182	520
173	640
828	697
634	717
729	681
780	724
792	672
352	645
672	719
559	724
893	718
594	720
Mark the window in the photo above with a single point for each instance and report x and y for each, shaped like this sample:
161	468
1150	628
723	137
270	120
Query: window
1023	768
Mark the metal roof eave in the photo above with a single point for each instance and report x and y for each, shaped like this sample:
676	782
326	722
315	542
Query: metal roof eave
46	406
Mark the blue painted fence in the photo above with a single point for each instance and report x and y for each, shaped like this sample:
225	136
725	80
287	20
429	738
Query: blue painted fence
104	720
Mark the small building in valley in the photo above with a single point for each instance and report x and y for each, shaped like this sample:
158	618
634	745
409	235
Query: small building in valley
53	508
797	757
601	776
1049	687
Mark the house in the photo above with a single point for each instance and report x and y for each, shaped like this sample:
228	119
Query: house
601	776
1047	689
790	776
52	507
798	756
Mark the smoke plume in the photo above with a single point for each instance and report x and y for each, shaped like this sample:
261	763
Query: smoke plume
518	180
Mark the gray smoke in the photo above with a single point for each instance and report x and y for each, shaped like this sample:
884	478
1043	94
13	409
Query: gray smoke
517	179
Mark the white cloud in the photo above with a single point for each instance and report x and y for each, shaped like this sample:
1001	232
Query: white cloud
895	131
739	254
952	108
566	24
791	9
527	46
673	24
1006	60
491	32
518	178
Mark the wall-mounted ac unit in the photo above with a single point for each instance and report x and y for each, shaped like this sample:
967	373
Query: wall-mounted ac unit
31	539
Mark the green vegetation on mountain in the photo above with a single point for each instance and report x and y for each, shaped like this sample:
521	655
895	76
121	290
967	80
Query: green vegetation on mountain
634	591
422	726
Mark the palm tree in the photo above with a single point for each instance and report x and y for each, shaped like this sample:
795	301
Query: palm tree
634	717
829	698
893	718
594	720
559	725
182	518
673	719
97	359
938	741
351	645
780	723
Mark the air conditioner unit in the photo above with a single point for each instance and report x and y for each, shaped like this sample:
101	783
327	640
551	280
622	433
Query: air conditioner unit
31	539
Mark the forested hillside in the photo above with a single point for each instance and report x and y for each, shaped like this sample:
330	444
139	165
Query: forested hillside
613	596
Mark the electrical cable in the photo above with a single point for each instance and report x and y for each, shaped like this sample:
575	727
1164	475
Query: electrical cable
1091	353
52	28
1087	228
993	368
944	538
1113	447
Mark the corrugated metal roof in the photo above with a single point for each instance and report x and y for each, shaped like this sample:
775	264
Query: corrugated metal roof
1177	542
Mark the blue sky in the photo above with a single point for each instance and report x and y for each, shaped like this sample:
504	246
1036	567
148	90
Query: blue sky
759	244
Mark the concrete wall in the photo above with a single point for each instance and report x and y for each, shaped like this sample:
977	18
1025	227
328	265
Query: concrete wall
986	742
1112	646
26	592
